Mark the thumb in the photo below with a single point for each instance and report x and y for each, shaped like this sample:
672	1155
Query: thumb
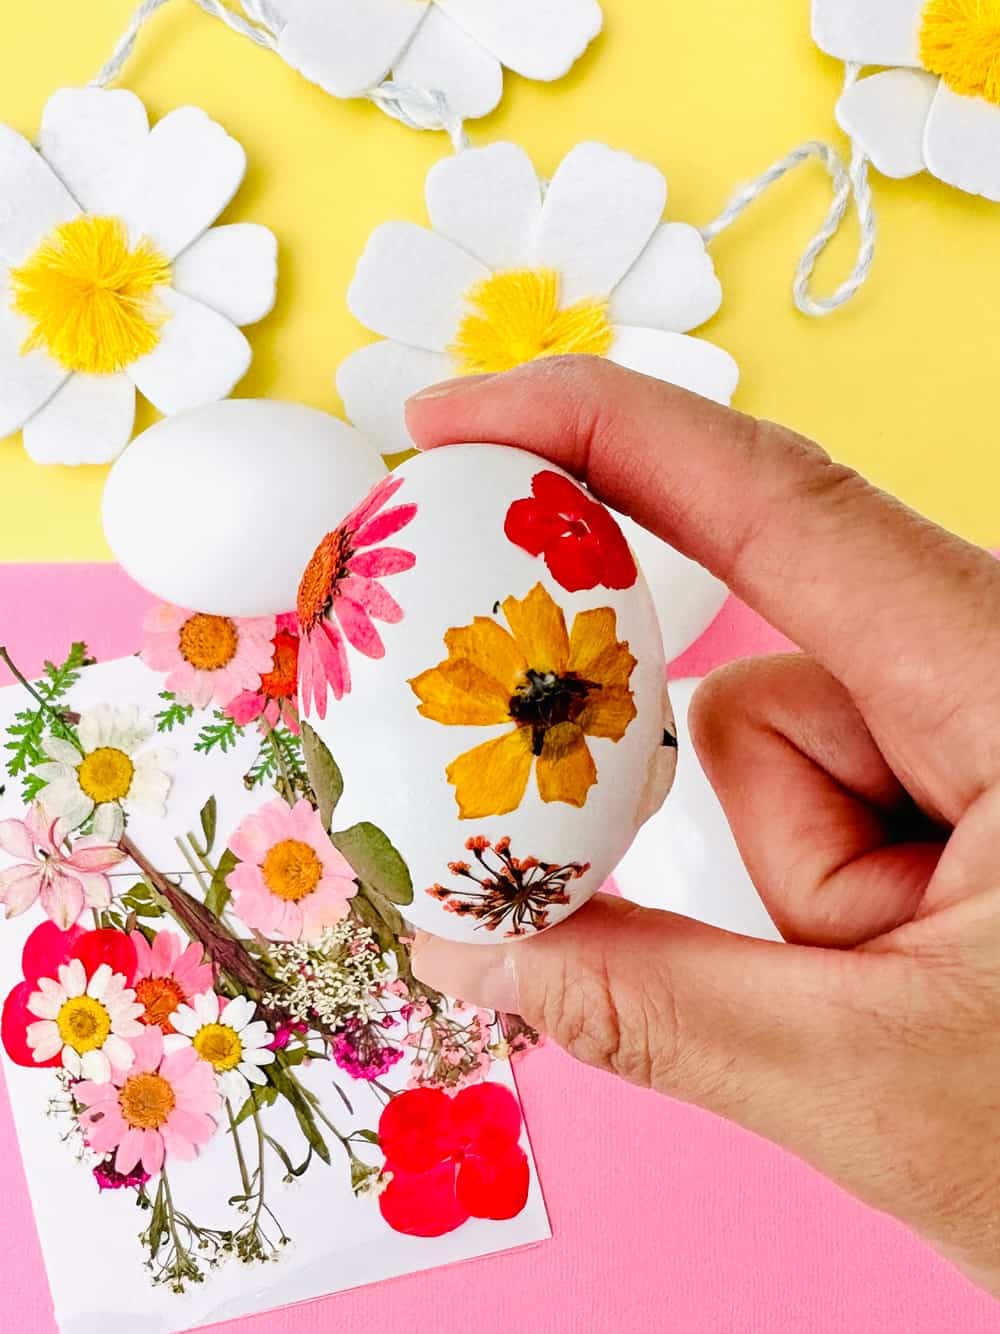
757	1031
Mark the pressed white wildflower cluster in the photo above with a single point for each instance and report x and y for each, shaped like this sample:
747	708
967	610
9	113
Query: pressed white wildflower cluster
331	979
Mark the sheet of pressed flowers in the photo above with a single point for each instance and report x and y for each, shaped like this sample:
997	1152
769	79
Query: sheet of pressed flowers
269	1222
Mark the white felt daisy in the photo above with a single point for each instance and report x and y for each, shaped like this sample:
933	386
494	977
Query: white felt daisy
227	1036
110	775
110	277
514	270
455	47
939	108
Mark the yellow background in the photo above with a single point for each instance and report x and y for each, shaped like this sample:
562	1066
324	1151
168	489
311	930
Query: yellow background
902	384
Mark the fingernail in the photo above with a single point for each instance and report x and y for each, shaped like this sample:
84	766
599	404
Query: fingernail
483	974
446	388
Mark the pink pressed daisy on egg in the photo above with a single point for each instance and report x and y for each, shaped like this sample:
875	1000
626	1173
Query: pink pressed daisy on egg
168	975
275	699
162	1106
340	596
208	659
291	881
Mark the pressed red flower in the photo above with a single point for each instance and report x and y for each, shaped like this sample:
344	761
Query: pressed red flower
452	1159
581	541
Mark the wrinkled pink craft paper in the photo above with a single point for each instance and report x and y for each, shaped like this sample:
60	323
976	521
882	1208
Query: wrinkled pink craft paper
665	1220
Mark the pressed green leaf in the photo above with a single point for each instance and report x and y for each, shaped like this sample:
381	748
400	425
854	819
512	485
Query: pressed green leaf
324	774
218	891
294	1094
375	861
209	816
261	1096
368	1135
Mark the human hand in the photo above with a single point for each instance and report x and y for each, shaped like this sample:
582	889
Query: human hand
861	780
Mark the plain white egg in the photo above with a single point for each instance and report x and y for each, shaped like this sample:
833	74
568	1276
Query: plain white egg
218	509
503	729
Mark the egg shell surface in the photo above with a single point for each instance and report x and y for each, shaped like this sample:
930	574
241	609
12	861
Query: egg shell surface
395	760
219	508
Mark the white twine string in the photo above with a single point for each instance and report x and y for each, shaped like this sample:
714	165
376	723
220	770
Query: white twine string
420	109
849	181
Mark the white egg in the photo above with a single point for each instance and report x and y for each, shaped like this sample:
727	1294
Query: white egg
504	730
686	597
218	509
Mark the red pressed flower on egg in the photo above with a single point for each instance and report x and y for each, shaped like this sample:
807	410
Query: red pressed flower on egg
582	543
451	1159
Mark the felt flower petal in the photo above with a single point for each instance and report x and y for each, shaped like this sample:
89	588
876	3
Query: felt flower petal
540	41
599	213
872	32
187	172
33	199
488	201
233	269
672	285
886	114
91	137
89	420
962	142
346	46
27	381
375	383
200	357
692	363
445	57
410	284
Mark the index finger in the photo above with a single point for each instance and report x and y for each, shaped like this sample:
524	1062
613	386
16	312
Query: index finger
904	613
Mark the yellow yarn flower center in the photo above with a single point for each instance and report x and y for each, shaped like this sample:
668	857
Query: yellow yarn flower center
83	1024
89	295
219	1045
291	869
515	317
106	774
960	41
146	1101
208	643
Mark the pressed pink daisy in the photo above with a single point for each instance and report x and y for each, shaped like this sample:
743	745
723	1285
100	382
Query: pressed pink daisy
207	658
276	698
65	880
168	975
162	1106
340	596
291	881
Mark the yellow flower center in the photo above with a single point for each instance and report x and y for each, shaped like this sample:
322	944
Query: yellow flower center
146	1101
291	869
208	643
106	774
960	41
515	317
161	997
89	296
83	1024
219	1045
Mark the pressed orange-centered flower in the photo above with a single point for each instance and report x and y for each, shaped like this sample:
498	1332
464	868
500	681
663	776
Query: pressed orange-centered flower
146	1101
557	688
208	642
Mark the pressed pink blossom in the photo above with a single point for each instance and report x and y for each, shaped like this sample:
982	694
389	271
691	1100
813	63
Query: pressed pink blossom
275	699
162	1106
168	974
358	1051
291	882
340	596
65	881
208	659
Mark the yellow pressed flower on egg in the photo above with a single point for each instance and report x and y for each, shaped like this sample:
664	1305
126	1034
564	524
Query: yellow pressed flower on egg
557	687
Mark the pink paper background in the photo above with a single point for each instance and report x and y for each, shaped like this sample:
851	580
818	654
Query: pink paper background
665	1219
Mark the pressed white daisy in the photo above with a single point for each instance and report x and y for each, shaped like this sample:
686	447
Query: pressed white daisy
938	105
85	1020
226	1035
455	47
112	278
112	775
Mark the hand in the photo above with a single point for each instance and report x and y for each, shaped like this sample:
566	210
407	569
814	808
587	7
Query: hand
862	782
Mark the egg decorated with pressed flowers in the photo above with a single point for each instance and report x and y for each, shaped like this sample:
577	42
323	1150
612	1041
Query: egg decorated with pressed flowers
482	677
